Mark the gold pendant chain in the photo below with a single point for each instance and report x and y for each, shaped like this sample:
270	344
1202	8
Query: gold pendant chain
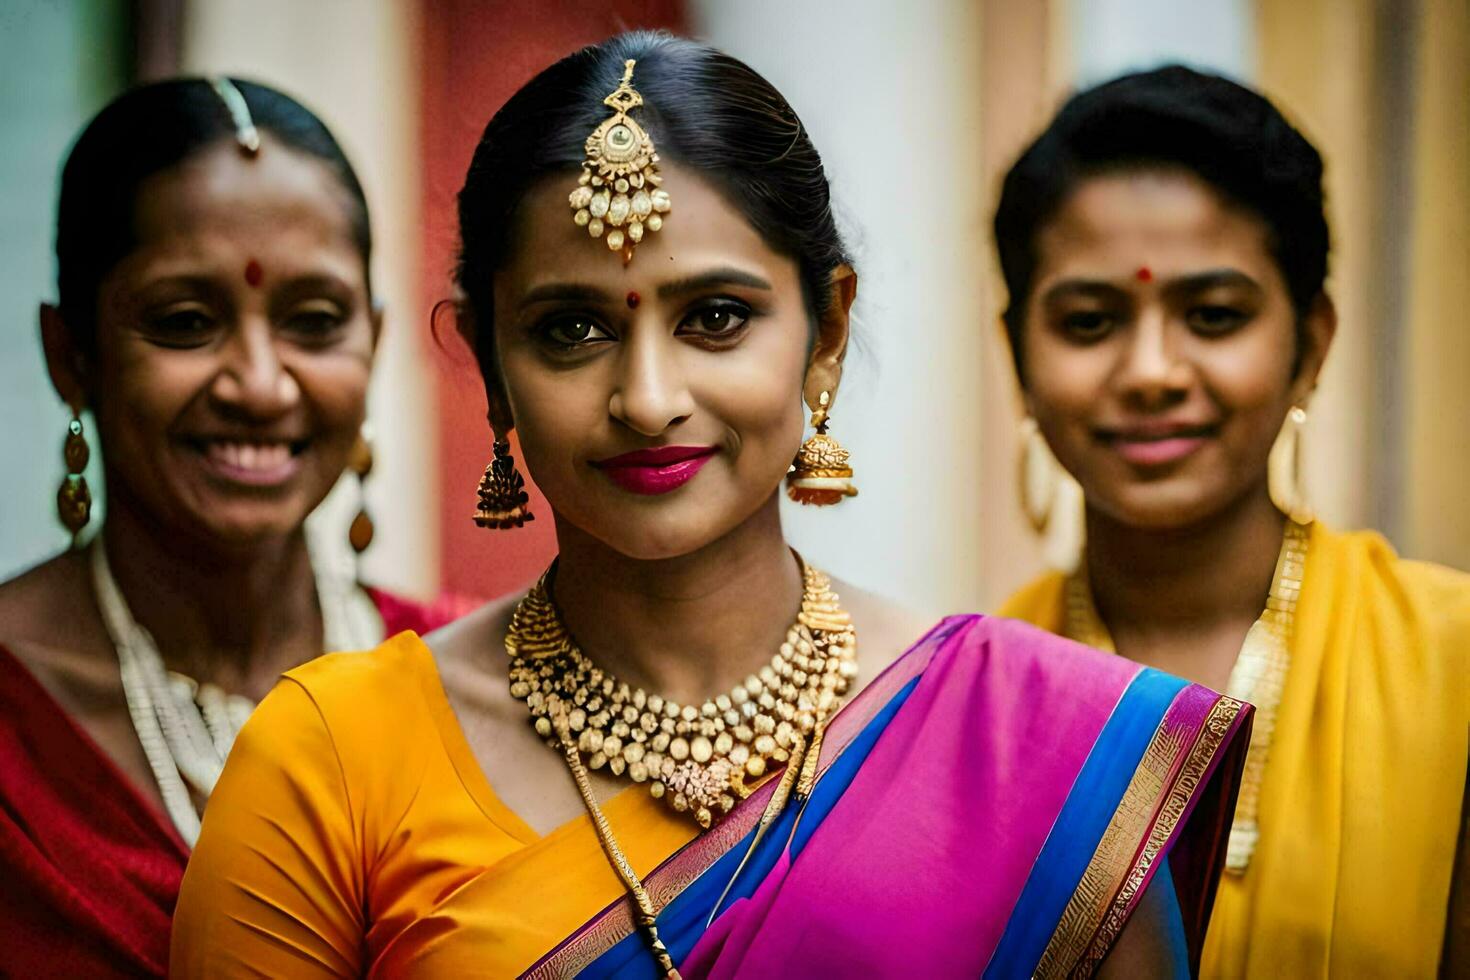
1259	674
643	911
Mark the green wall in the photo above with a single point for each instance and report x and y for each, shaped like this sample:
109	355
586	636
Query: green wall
60	61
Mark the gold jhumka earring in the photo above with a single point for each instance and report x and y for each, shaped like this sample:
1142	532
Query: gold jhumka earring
1037	476
1289	489
821	474
503	497
618	191
73	497
360	534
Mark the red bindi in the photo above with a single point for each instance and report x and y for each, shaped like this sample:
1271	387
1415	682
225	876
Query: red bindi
253	273
1144	274
633	300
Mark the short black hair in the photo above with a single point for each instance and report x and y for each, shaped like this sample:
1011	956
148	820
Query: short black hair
142	132
702	107
1233	138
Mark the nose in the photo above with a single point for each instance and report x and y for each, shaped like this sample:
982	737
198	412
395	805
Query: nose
651	393
1152	373
253	379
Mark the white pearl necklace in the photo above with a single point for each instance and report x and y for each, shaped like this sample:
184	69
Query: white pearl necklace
186	728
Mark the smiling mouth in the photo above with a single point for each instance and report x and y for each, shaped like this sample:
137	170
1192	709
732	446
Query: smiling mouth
253	462
1148	446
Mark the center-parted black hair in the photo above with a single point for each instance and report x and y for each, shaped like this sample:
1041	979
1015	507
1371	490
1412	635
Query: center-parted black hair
703	109
142	132
1174	117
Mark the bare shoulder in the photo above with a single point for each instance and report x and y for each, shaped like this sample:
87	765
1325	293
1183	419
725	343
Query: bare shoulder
886	628
475	642
472	662
470	656
49	621
32	603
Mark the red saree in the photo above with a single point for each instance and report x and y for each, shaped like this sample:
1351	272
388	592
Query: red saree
89	868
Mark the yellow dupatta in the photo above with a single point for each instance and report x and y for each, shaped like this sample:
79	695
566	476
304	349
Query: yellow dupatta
1360	801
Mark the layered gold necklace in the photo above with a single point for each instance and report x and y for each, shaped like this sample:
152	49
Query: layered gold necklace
1259	674
699	759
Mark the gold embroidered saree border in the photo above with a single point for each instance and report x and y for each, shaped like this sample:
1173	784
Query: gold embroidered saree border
1258	676
1156	799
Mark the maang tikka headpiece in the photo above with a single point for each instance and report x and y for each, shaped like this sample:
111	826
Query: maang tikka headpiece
618	192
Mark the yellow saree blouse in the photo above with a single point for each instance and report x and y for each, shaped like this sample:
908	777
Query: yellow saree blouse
361	754
1360	801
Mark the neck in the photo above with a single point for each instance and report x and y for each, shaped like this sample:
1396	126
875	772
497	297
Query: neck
689	627
1185	580
235	618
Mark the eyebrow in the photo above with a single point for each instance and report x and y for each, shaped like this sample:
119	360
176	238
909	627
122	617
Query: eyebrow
571	292
562	292
725	276
1196	282
311	282
1210	279
300	281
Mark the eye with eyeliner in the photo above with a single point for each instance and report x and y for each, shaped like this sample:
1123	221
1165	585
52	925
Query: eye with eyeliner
717	322
714	323
566	332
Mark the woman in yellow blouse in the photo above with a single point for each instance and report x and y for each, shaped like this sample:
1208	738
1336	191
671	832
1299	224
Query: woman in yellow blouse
1164	245
877	799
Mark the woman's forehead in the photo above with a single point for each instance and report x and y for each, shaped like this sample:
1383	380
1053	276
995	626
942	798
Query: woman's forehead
220	188
703	230
1149	217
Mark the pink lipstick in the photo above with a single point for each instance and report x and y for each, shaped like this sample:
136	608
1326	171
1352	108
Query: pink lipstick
1157	444
654	471
1157	452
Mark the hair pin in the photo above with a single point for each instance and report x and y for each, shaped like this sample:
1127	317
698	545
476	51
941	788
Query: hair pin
245	132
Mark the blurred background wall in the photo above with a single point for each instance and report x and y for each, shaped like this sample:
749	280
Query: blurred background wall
917	109
59	63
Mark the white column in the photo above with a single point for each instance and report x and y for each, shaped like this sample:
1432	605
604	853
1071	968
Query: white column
1111	37
353	64
890	95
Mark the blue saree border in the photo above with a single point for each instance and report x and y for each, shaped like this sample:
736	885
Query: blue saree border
1093	799
682	922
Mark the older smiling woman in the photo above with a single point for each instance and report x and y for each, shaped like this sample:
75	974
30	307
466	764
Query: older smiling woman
216	316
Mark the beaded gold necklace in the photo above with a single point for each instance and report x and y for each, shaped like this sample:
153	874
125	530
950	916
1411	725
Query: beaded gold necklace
696	758
1259	674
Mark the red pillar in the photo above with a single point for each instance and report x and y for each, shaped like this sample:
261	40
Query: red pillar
475	56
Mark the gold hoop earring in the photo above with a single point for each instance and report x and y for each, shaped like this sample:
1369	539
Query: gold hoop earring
1037	476
502	490
1289	490
360	534
73	497
821	474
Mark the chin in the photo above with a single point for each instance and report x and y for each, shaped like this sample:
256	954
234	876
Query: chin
245	529
660	532
657	542
1156	508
